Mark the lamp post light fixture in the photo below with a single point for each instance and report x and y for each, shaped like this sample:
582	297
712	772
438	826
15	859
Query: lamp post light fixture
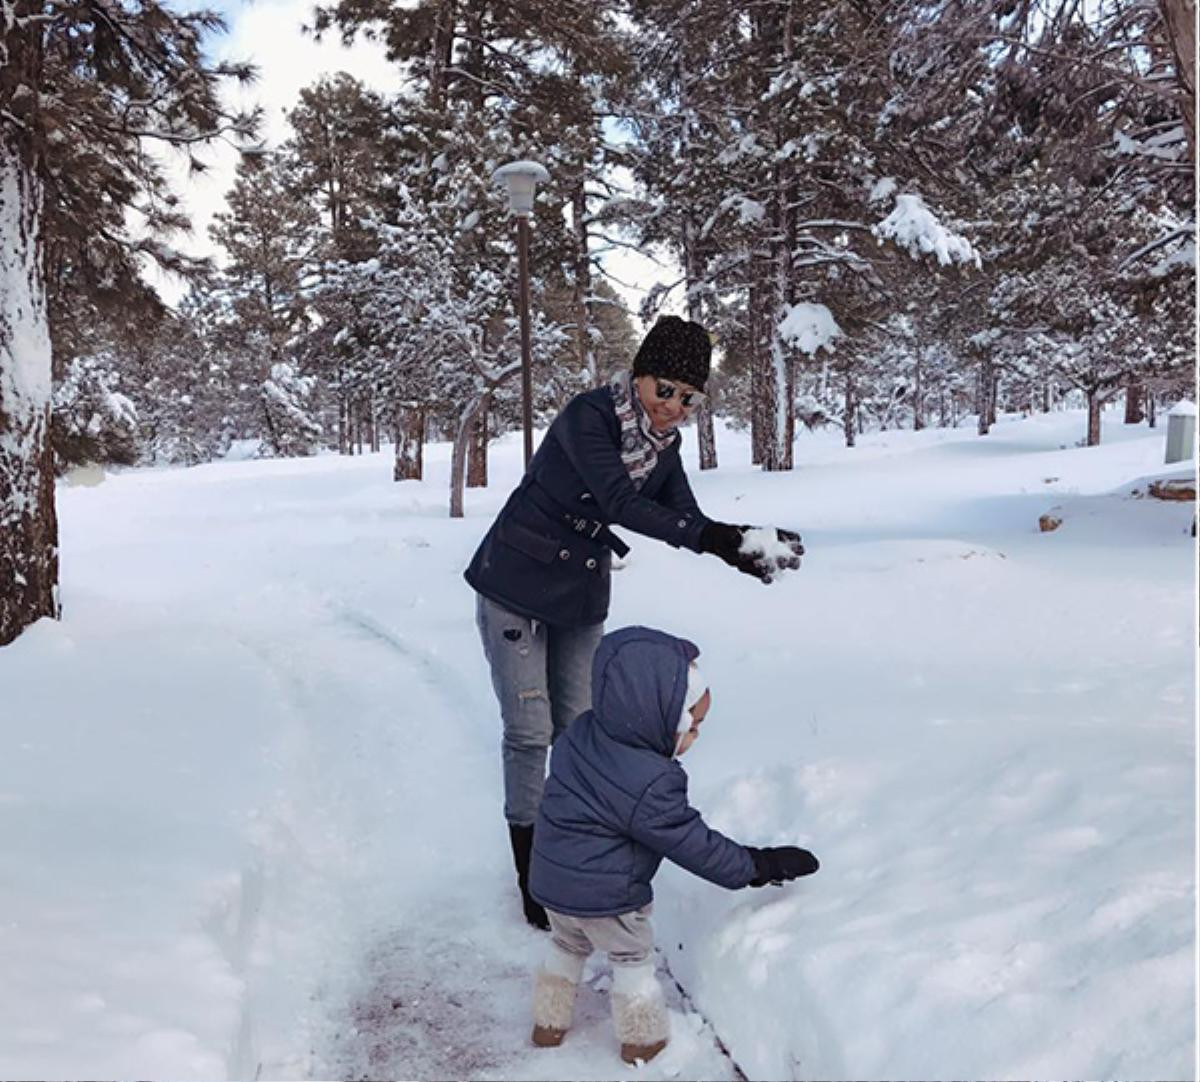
521	179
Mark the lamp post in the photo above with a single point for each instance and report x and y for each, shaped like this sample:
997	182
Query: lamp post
521	178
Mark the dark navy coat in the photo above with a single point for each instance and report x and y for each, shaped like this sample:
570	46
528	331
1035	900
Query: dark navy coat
616	801
549	552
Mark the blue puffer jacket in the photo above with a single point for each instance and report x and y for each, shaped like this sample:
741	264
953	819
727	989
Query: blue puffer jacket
616	800
549	551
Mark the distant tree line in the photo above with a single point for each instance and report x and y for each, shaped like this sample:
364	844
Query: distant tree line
902	213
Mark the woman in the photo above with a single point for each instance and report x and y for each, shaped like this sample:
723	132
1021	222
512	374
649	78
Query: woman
542	570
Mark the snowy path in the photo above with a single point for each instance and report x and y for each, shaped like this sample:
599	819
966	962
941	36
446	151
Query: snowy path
252	799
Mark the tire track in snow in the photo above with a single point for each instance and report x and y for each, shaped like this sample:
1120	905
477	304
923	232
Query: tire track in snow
392	1028
439	676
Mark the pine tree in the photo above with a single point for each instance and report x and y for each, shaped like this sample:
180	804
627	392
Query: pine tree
83	86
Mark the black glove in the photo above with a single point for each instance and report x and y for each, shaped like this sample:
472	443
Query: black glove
792	540
724	540
782	862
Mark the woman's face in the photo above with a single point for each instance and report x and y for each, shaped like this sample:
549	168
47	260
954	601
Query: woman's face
666	413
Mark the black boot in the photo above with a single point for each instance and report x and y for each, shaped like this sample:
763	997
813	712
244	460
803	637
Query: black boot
522	847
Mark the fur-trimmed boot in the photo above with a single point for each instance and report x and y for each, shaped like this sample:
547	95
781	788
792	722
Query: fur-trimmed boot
639	1012
554	996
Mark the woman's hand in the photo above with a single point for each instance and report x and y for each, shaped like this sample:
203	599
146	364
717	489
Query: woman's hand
752	550
723	540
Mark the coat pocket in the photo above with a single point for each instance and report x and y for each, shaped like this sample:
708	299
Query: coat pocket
542	548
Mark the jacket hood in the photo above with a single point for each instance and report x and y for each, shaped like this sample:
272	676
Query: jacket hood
639	681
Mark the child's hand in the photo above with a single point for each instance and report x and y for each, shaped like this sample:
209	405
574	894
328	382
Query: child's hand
774	865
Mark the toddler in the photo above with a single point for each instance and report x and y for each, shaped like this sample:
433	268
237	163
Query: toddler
615	804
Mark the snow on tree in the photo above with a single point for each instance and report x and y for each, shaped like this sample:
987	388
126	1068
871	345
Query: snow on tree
287	405
83	88
916	229
809	327
91	420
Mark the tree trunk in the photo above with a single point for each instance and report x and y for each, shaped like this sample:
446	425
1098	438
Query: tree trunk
705	433
1151	411
410	444
1180	19
993	396
582	292
706	437
780	381
983	390
849	409
1134	397
441	52
1094	404
477	452
458	455
28	522
694	269
344	447
758	391
918	417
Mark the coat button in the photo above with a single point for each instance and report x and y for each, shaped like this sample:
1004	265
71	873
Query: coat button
682	522
564	554
591	564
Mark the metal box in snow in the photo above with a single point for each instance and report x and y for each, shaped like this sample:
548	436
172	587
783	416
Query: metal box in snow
1181	432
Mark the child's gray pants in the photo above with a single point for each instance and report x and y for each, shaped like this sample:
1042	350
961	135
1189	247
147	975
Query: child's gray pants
627	939
543	679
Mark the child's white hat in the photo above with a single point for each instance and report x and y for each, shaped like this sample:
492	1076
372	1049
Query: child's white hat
696	687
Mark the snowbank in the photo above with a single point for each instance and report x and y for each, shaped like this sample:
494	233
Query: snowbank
251	798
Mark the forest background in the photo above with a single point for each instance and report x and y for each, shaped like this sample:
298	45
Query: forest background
887	215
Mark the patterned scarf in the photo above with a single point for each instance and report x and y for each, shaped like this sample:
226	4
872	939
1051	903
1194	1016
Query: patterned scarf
640	443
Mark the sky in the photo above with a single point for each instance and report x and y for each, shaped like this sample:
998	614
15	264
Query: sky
270	34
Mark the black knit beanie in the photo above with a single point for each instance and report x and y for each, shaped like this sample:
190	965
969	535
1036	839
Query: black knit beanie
675	349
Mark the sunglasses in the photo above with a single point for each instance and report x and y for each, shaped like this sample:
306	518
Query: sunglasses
665	390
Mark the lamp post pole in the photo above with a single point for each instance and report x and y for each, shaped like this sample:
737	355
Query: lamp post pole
526	347
521	178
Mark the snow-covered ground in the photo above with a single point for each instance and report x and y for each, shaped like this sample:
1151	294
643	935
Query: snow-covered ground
250	790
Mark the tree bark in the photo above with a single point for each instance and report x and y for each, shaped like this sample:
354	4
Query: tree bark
458	455
582	290
705	432
758	367
918	416
983	391
1094	404
477	452
441	52
344	447
849	409
1180	19
692	263
1134	397
410	444
28	521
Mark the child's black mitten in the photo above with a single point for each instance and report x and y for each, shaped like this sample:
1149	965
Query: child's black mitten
778	863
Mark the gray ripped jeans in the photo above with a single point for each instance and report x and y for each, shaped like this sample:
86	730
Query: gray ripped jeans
543	677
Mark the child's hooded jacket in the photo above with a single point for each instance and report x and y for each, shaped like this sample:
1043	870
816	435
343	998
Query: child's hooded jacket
616	802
